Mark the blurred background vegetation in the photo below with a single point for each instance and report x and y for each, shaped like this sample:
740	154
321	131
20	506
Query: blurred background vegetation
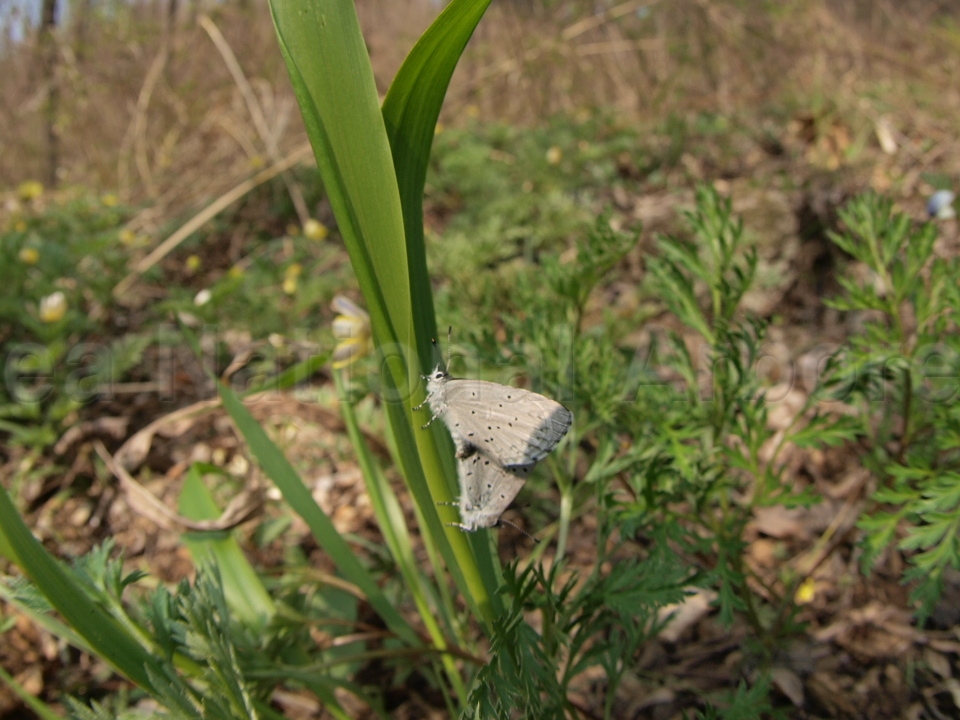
154	170
135	97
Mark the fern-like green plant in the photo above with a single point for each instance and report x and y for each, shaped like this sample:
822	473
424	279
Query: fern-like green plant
900	372
710	457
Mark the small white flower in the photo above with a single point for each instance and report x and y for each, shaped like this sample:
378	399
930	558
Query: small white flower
352	328
203	297
315	230
53	307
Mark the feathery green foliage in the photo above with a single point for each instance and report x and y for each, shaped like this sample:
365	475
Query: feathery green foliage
900	372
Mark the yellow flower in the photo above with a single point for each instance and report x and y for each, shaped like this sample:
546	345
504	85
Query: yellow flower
806	592
29	256
315	230
29	190
128	237
235	272
352	328
257	162
554	155
193	263
110	200
53	307
290	277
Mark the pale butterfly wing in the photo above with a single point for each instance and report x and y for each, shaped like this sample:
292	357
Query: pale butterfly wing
487	489
510	425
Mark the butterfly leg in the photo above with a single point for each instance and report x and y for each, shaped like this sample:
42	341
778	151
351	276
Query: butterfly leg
427	423
427	398
461	526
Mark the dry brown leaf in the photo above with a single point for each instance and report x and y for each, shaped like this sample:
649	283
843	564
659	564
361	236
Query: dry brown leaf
243	507
789	683
780	522
134	451
937	662
114	427
685	614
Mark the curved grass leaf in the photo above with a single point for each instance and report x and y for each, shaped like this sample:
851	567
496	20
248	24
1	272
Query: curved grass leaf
102	632
410	112
242	587
297	494
389	515
40	709
333	81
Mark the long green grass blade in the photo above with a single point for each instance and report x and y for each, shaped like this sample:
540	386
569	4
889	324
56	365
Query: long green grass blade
40	709
390	518
331	75
245	594
332	78
297	494
410	112
103	633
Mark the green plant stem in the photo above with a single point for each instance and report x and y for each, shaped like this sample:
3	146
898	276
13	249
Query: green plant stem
390	520
42	710
752	616
566	511
330	71
905	411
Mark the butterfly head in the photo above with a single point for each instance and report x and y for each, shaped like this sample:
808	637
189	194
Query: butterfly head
436	381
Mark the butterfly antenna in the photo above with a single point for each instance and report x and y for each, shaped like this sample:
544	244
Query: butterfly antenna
504	521
449	346
437	352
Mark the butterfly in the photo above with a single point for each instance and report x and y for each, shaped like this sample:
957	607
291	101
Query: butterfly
501	432
509	425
